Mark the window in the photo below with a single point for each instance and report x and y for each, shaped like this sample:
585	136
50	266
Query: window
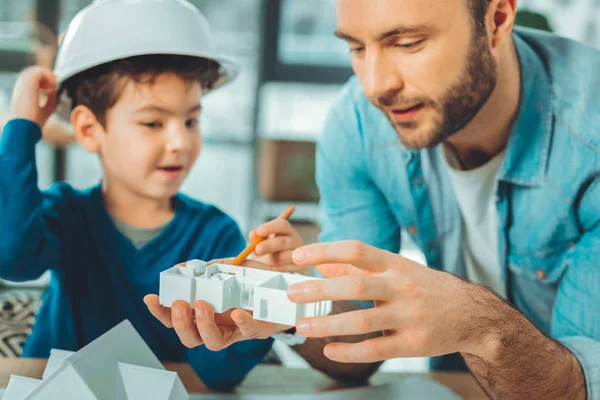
264	309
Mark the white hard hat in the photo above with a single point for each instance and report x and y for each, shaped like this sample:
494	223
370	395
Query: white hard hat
108	30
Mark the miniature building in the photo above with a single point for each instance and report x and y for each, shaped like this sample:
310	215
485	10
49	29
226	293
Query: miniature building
227	286
118	365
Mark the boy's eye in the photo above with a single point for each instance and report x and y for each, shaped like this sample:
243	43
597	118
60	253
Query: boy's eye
153	125
191	123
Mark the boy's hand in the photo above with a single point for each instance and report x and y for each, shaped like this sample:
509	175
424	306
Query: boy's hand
34	83
201	325
276	250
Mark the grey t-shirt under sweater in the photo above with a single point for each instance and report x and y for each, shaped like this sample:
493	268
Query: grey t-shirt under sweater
139	237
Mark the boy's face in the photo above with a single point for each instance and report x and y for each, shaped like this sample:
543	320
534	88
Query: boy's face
152	136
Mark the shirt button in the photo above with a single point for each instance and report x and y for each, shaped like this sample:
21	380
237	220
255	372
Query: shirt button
412	229
541	274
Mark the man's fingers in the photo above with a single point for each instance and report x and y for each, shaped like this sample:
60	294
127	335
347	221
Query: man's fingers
215	338
184	325
349	323
368	351
163	314
359	254
342	288
335	270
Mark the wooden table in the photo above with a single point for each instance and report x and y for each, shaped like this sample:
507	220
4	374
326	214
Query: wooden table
265	379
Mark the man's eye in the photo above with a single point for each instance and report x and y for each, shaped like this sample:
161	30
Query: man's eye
410	45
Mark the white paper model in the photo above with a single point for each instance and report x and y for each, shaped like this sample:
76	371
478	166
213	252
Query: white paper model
118	365
227	286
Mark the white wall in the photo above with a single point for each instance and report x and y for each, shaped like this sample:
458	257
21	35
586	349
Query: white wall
576	19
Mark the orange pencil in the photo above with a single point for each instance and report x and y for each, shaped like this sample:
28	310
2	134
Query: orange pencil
248	250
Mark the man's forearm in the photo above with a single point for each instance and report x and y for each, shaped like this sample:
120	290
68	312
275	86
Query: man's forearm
517	361
312	352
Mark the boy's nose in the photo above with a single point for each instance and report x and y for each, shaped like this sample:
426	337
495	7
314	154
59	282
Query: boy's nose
178	139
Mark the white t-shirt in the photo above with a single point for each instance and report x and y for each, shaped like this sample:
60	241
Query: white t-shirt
475	192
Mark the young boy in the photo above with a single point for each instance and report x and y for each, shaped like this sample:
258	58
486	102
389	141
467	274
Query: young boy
105	246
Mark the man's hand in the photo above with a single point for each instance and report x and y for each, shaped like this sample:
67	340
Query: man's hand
203	326
35	95
422	312
276	250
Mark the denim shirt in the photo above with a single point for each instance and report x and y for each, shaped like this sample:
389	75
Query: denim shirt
548	195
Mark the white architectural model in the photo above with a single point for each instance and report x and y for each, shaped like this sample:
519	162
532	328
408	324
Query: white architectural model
118	365
227	286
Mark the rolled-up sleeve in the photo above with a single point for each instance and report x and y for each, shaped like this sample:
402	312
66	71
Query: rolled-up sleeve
587	352
576	313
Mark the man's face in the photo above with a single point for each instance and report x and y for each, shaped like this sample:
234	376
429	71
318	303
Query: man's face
422	62
152	137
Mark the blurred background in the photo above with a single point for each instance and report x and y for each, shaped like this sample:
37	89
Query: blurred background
260	131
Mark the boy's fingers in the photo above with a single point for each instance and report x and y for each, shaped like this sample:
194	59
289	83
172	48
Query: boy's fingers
51	101
212	336
184	325
274	245
256	265
246	263
278	226
254	329
246	324
227	261
163	314
287	266
44	78
47	84
252	235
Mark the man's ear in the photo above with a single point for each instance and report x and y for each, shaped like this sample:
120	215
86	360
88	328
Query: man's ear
87	129
500	20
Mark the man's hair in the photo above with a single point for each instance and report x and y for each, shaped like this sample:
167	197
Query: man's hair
479	9
100	88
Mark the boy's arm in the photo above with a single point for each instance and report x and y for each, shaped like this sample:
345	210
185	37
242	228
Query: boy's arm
28	240
29	244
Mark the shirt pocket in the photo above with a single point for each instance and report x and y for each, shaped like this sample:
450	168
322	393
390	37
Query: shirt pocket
543	266
535	280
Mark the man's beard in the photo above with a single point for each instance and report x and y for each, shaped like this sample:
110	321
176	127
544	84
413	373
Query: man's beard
458	106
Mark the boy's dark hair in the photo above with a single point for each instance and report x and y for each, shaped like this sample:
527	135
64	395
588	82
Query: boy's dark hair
100	88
